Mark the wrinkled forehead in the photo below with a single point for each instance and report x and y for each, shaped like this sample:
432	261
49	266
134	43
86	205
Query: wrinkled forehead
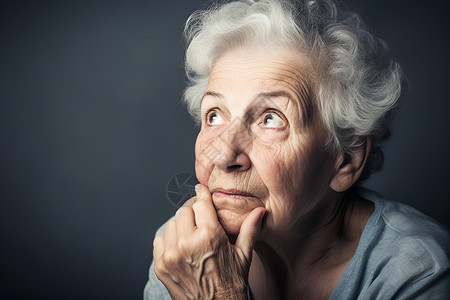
268	63
269	69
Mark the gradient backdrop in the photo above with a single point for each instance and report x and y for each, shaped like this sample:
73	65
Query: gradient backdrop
92	130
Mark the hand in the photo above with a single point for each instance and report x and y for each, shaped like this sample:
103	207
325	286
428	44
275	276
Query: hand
194	258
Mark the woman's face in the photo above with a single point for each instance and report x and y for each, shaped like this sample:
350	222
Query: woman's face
260	142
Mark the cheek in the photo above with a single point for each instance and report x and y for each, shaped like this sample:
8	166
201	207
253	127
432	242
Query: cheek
293	174
275	171
201	163
206	152
274	165
270	163
282	167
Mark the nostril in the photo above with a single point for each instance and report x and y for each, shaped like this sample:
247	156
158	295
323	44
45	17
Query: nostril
234	168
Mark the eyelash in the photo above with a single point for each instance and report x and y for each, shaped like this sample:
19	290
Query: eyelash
207	112
271	111
268	111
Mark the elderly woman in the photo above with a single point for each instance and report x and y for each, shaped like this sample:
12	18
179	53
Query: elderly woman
294	99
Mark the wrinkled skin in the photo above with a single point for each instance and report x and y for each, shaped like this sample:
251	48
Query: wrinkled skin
259	153
194	258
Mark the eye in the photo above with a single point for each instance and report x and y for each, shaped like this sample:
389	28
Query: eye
214	118
272	120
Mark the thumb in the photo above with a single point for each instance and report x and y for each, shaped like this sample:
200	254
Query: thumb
249	232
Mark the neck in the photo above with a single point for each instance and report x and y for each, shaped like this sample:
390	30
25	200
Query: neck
322	240
313	236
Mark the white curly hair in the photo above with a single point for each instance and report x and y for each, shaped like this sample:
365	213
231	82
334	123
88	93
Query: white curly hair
356	84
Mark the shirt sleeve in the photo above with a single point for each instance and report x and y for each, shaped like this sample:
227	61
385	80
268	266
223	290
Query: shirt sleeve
433	287
154	289
414	270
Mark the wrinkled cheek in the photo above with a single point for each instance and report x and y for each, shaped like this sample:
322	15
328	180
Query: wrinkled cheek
285	174
277	173
203	161
203	170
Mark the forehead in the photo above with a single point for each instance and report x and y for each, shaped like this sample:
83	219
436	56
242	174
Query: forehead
241	74
262	68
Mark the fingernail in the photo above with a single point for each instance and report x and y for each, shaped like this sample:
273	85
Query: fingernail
198	189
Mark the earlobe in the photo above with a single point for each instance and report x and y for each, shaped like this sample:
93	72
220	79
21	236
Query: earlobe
351	168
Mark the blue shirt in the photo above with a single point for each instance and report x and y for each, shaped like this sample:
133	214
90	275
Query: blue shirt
402	254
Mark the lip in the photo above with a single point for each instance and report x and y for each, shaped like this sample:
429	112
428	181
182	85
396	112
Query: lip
231	193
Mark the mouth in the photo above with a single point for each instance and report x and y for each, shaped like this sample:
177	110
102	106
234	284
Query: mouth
234	200
231	193
232	207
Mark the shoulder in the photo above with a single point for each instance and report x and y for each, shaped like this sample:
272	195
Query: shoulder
409	252
415	235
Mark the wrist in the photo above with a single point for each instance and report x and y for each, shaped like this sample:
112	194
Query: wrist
232	295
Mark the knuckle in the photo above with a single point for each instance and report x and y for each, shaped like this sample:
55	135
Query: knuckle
157	242
159	268
171	257
200	204
190	202
206	233
180	210
197	205
184	245
169	226
158	247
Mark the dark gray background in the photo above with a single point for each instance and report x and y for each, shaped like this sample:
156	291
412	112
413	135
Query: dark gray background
92	130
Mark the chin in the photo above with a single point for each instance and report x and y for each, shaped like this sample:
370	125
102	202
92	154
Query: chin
231	223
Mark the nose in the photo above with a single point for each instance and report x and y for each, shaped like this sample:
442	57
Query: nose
235	142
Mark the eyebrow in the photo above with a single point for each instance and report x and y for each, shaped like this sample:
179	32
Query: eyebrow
213	94
274	94
262	95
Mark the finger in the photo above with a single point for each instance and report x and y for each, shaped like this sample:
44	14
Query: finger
158	252
170	236
185	221
189	202
158	247
205	213
249	232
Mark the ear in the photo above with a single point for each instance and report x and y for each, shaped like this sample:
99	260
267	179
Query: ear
351	168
